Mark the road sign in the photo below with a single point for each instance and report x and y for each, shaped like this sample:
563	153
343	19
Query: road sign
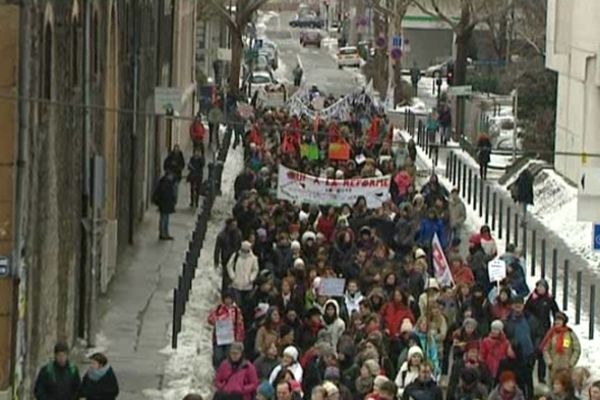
4	266
397	41
460	90
596	237
166	98
224	54
259	43
396	53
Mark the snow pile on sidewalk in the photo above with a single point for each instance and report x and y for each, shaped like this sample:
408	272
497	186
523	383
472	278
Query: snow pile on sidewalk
189	368
556	207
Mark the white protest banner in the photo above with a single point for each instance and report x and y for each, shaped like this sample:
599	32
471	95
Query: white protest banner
497	270
297	187
333	287
224	332
440	264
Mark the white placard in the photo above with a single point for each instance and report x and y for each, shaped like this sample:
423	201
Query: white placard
497	270
333	287
224	332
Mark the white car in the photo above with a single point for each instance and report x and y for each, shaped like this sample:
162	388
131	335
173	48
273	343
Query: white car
501	130
258	80
348	57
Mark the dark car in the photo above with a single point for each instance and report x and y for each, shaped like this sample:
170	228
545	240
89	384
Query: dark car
307	22
310	38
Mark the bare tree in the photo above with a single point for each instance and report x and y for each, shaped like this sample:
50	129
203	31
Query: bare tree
237	21
472	13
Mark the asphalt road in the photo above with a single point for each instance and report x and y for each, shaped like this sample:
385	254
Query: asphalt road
319	64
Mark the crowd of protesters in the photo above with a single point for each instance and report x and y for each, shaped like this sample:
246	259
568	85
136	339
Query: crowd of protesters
397	331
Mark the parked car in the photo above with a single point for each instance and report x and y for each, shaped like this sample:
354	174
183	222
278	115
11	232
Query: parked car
439	70
258	80
307	21
270	50
348	57
502	130
310	38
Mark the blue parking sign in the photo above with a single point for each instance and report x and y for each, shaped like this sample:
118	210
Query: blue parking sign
397	41
596	237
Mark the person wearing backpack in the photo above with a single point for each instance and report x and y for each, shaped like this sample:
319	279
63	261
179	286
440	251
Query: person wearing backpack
59	379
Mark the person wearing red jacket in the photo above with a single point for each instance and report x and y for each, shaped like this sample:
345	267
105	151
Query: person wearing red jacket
460	272
225	311
326	224
236	375
394	312
254	136
495	348
197	133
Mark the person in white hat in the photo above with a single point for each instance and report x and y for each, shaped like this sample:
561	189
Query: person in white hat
290	362
242	269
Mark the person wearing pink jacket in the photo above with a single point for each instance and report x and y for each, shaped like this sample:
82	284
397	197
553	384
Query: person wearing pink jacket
236	376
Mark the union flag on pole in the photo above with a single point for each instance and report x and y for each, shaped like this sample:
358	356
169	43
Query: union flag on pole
440	264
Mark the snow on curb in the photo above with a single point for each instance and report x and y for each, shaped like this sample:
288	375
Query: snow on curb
189	367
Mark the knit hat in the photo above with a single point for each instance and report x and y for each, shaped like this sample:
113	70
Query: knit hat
266	390
415	350
296	245
236	346
291	352
561	315
379	380
497	326
308	235
432	283
298	263
420	253
507	376
61	347
246	245
261	233
339	174
469	321
330	388
332	373
406	326
372	366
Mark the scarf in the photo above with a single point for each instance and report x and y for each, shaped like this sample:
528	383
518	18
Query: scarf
561	331
96	374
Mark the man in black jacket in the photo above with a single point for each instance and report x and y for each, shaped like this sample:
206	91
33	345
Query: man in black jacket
229	240
165	197
59	379
424	387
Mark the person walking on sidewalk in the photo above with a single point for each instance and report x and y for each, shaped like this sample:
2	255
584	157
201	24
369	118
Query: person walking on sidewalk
195	175
484	150
59	379
197	132
298	72
99	382
165	198
445	120
229	241
215	118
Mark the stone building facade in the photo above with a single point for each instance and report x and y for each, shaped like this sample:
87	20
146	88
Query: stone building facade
77	80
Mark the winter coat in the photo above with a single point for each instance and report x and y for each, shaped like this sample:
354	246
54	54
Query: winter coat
517	330
538	310
405	234
419	390
326	226
405	377
196	168
224	313
228	242
242	269
463	275
393	314
484	149
489	246
427	229
399	186
497	395
295	369
337	327
57	383
243	182
215	115
475	392
105	388
400	155
342	255
571	349
525	187
165	194
264	366
352	302
428	342
481	372
457	211
264	337
174	162
493	351
241	380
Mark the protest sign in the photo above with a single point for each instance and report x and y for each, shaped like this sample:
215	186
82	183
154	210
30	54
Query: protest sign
310	151
224	332
333	287
440	264
497	270
300	188
339	151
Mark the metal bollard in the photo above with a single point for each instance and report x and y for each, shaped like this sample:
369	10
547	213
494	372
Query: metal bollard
500	218
470	185
174	320
533	249
475	190
508	212
494	199
543	258
592	310
578	298
448	165
481	198
487	204
516	233
566	286
554	270
454	166
464	180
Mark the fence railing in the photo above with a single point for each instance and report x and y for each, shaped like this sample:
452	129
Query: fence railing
212	185
505	218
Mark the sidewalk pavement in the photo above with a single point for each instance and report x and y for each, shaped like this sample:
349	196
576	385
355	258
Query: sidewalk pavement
136	311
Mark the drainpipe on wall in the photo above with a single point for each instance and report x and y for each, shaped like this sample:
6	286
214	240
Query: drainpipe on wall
21	196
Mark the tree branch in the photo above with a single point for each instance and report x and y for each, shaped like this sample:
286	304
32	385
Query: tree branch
436	13
531	42
252	7
224	14
484	16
